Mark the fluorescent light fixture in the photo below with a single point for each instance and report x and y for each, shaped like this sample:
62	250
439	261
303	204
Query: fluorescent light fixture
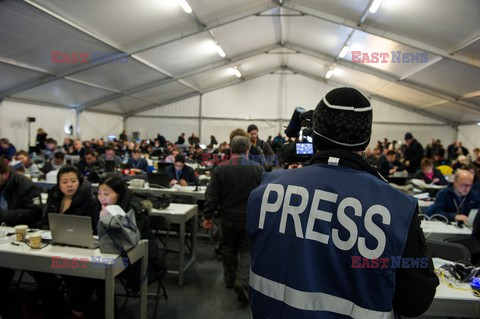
478	123
236	72
220	51
375	5
185	6
329	74
344	51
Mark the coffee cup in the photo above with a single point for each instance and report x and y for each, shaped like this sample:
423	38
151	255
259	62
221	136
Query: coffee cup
21	232
36	240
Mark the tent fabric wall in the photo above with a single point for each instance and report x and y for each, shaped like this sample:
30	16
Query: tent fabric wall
269	102
170	127
221	129
187	107
469	135
95	125
13	122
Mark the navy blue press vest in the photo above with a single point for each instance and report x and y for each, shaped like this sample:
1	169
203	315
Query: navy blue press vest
306	226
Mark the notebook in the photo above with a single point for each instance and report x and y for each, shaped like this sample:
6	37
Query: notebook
471	217
72	230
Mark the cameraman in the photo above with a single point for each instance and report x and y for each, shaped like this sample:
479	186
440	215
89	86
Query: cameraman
307	226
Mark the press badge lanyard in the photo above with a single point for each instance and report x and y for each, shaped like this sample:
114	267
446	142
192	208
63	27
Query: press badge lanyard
459	206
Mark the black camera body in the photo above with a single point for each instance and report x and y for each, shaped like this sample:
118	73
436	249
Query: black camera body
300	148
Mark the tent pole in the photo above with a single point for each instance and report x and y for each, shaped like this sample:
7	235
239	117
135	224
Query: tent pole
200	118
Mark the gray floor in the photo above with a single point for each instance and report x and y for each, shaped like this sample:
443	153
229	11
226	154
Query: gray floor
203	295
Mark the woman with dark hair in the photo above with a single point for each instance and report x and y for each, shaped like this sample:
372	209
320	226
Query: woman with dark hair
72	195
114	191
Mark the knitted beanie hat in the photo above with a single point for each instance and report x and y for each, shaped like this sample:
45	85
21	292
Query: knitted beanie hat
342	119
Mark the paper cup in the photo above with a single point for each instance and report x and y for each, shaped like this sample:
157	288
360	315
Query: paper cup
36	240
21	232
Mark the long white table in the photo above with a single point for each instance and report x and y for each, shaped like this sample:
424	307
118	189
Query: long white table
180	214
180	190
440	230
25	258
450	302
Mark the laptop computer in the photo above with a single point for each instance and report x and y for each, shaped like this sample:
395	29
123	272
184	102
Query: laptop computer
109	166
72	230
471	217
161	179
162	165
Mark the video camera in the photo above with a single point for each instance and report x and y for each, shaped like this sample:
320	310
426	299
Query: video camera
299	128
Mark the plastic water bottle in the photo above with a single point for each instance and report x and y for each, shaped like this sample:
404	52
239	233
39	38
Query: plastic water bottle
125	158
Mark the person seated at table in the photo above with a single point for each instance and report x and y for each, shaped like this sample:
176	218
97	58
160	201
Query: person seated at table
91	166
73	196
391	165
456	200
109	155
430	174
20	201
139	164
476	176
54	164
180	173
28	167
114	191
171	158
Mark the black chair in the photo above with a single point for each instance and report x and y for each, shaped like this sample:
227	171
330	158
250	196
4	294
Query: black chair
471	243
449	251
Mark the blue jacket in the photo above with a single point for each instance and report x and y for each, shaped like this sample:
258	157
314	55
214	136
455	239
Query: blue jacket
444	203
305	225
141	164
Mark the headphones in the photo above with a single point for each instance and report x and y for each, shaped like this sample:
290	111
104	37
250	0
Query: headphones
463	272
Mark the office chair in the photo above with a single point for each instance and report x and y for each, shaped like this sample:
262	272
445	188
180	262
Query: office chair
449	251
471	243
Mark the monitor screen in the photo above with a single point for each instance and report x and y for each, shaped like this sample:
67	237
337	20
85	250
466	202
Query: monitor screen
112	138
304	149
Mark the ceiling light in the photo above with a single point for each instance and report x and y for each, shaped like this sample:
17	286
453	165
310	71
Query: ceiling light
344	51
478	123
185	6
220	51
375	5
236	72
329	74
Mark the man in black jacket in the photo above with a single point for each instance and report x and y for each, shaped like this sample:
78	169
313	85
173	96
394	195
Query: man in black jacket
413	154
180	173
19	198
229	188
265	149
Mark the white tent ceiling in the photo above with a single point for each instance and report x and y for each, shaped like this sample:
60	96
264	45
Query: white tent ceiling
172	54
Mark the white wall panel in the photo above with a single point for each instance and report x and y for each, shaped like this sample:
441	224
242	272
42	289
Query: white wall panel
258	98
423	133
383	112
95	125
221	129
171	128
13	123
469	135
187	107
